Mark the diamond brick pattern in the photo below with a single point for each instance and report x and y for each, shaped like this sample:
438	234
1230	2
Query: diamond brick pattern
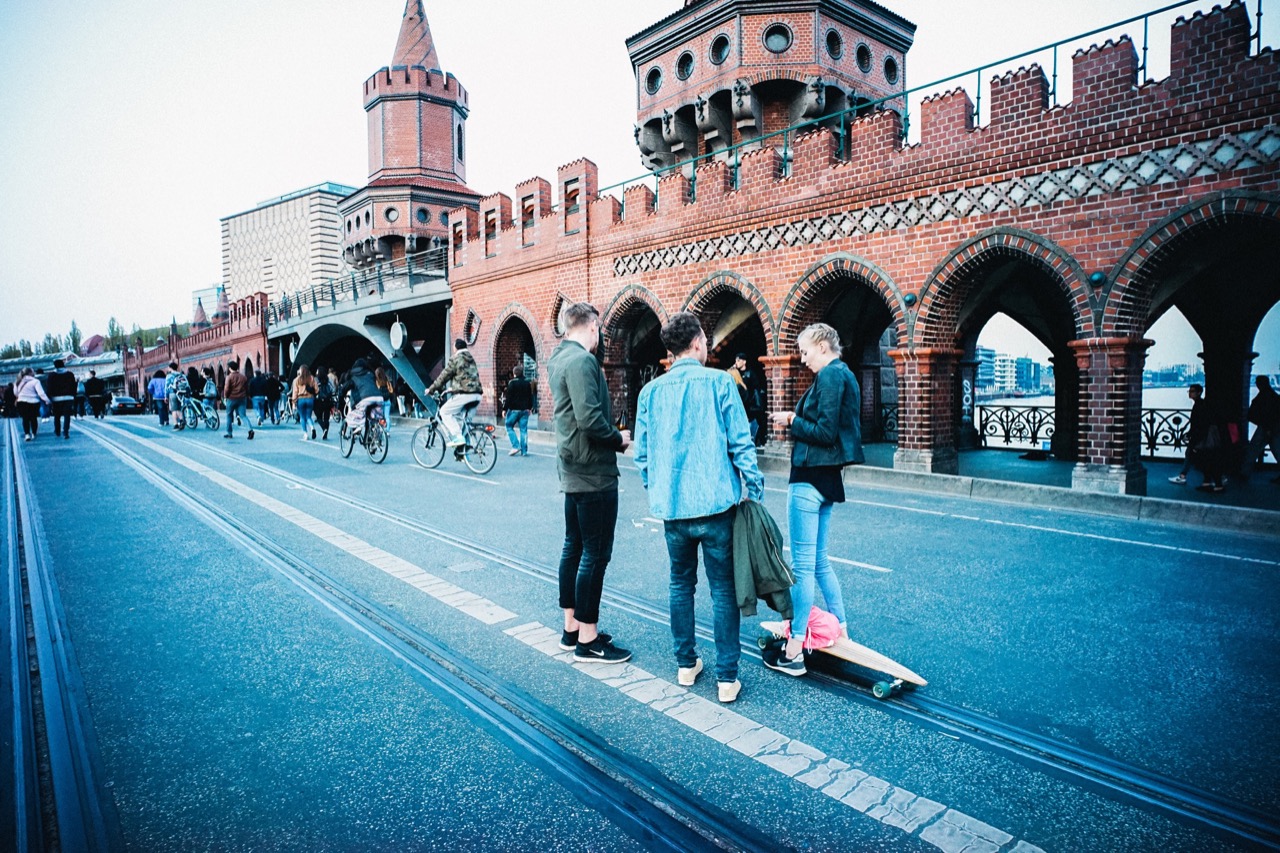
1226	153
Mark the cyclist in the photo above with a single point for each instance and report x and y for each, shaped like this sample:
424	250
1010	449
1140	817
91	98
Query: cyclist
463	377
363	387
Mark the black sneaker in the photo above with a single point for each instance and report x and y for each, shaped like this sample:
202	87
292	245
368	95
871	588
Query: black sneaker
251	435
600	651
782	663
569	639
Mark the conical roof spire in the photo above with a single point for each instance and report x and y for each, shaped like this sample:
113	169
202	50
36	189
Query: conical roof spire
415	47
201	319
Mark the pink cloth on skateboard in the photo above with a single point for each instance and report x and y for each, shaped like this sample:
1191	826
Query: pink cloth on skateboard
823	630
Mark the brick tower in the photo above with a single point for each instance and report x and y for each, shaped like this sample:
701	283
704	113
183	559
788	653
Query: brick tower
721	72
417	153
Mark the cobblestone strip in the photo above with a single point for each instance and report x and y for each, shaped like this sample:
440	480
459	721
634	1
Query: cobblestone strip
455	596
945	828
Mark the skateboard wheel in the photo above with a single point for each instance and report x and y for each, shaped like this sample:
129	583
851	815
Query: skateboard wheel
763	640
882	690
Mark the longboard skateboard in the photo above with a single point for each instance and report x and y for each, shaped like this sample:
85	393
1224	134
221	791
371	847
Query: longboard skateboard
775	633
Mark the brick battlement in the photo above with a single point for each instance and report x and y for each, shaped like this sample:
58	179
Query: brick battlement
1214	87
403	80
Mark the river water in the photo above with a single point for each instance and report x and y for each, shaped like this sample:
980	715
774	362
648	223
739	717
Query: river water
1152	398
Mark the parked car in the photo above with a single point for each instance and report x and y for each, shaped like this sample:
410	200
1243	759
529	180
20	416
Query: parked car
126	406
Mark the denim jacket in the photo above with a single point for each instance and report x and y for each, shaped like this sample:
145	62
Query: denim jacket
693	446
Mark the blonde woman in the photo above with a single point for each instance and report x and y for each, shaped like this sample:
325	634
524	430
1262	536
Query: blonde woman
303	395
827	434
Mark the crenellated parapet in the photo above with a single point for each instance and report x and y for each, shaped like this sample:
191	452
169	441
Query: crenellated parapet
1029	154
402	81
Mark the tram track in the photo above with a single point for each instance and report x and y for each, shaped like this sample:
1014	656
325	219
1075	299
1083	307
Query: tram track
1115	778
55	797
657	812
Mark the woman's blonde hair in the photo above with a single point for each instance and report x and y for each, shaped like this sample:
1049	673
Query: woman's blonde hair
819	332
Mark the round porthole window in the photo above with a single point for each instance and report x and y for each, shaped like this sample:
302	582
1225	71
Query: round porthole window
392	214
367	218
890	69
424	215
684	65
863	55
653	81
444	217
777	38
835	44
719	49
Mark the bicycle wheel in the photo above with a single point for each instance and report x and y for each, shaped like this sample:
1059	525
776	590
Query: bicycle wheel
347	440
211	419
481	452
376	441
428	446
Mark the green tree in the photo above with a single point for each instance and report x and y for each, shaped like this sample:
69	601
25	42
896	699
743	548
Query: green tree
115	334
10	351
74	338
26	347
52	344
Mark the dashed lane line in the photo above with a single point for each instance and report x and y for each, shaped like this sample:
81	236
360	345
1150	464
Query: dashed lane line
945	828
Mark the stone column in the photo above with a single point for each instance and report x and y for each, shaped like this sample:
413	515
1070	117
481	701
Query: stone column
926	410
968	439
1110	443
788	380
869	386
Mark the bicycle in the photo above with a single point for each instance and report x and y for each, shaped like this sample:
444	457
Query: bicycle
195	410
479	451
372	436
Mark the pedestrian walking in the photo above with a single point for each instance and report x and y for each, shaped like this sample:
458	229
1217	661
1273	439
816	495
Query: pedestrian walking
95	391
258	395
324	400
518	400
275	391
826	434
587	447
29	394
388	391
462	377
303	395
175	387
210	389
695	454
159	400
1264	414
62	397
235	391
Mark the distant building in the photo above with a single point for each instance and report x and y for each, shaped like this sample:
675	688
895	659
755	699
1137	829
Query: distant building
1026	375
1005	368
986	368
284	244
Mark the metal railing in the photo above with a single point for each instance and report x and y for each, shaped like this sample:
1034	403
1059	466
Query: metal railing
370	283
1164	431
839	121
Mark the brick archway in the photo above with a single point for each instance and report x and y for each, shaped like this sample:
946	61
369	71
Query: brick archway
512	340
633	349
949	286
718	284
1128	299
628	301
809	298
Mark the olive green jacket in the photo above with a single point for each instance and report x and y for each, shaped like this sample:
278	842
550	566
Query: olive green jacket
587	442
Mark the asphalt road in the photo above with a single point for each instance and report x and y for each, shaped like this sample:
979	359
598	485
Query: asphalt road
233	712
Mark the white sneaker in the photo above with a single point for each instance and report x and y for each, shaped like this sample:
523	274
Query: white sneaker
1179	480
515	451
729	690
687	675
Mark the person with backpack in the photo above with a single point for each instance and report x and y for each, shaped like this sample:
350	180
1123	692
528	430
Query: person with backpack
324	400
175	387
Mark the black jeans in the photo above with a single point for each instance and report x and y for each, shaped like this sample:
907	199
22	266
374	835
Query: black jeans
62	410
589	519
30	413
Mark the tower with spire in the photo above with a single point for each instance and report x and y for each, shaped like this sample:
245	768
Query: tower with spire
199	320
417	153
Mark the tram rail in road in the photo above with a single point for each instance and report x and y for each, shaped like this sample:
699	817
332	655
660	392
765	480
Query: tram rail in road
1121	780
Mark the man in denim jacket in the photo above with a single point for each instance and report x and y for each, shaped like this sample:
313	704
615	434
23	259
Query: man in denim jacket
694	452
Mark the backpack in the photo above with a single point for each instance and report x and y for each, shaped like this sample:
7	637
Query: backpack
210	388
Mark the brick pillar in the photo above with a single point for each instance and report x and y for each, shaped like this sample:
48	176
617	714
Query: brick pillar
1110	443
869	386
926	410
788	379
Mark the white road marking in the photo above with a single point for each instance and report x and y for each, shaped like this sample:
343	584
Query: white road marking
933	822
487	481
870	566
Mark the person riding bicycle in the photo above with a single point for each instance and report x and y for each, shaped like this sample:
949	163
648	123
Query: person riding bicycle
363	386
463	378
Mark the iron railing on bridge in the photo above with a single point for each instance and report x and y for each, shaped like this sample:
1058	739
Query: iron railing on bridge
1164	431
362	284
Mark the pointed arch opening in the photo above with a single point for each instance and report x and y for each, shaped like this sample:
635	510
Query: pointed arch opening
634	354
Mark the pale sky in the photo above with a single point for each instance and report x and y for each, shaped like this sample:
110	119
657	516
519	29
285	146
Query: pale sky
131	127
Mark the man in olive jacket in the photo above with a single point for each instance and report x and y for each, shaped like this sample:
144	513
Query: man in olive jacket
587	445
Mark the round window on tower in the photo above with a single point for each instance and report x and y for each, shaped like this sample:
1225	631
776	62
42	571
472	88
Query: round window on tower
392	214
890	69
444	217
719	49
653	81
684	65
777	38
424	215
835	44
863	54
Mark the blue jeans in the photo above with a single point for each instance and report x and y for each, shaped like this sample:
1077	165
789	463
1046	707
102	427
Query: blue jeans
162	410
715	534
306	405
234	407
809	520
386	414
518	430
589	519
260	406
